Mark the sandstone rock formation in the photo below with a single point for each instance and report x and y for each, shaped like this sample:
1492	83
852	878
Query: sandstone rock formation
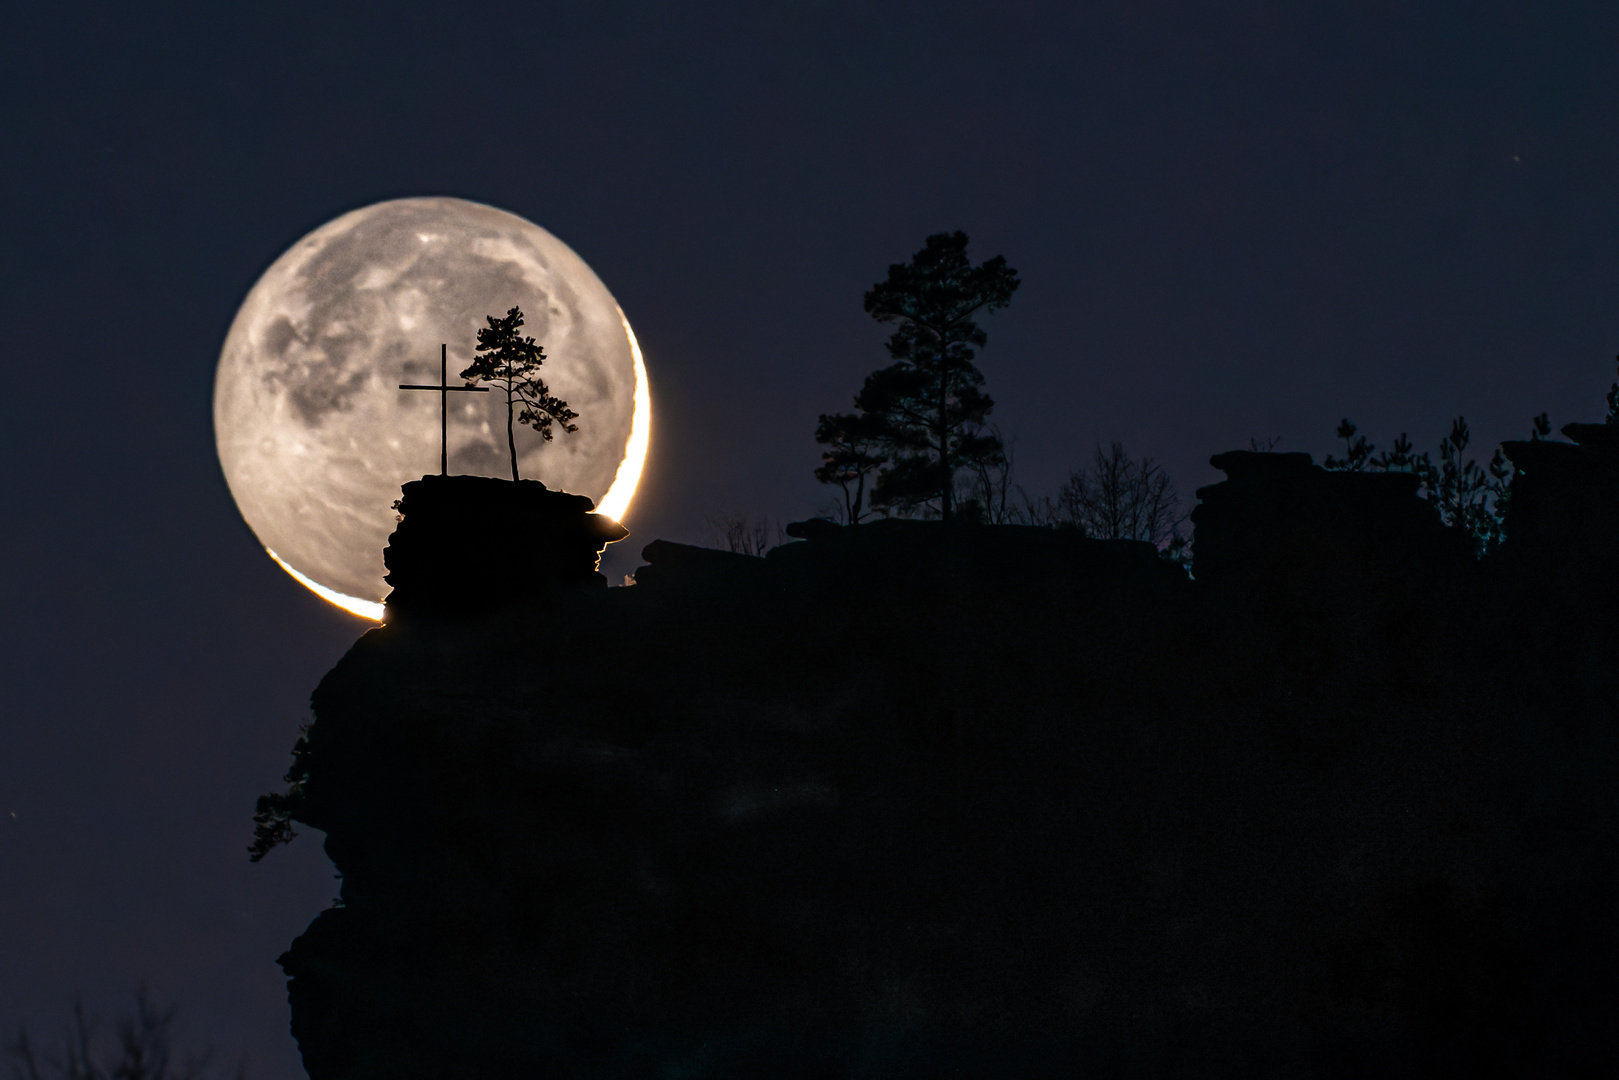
913	800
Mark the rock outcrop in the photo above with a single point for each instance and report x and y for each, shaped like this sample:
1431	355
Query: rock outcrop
912	800
1563	515
472	544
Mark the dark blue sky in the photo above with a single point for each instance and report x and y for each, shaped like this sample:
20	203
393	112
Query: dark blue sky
1233	221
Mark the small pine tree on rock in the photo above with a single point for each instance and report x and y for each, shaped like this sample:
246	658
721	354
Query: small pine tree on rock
512	362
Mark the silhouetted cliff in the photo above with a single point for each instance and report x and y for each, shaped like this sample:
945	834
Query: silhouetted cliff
915	800
471	544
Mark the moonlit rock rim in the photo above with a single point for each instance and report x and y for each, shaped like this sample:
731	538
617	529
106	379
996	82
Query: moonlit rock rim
618	496
365	609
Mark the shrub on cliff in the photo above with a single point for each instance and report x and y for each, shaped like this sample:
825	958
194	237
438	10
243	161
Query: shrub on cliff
1468	496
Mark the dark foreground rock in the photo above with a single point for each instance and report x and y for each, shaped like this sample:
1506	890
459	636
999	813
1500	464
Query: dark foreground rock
913	801
468	545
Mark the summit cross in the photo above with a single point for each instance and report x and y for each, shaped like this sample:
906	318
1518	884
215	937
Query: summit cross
444	389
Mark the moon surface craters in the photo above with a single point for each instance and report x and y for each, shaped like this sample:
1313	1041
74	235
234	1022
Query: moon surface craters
315	437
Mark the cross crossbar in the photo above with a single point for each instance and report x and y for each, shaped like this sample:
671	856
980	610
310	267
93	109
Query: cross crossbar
444	389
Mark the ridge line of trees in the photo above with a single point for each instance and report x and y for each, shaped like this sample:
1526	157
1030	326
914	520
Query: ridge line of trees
920	443
1468	496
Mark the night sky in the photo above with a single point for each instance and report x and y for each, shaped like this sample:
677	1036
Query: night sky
1233	221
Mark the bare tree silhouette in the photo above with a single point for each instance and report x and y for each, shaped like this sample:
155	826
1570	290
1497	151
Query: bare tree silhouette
1118	497
144	1050
744	534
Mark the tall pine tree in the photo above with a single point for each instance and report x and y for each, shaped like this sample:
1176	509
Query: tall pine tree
926	411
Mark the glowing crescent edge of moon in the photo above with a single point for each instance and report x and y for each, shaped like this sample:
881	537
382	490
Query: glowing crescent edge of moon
613	504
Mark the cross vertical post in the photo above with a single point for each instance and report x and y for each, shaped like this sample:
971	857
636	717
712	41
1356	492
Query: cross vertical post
444	389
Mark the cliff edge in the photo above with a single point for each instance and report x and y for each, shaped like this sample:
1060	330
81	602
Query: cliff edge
913	800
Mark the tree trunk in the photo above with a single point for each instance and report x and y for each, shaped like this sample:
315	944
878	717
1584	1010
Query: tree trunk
511	439
946	509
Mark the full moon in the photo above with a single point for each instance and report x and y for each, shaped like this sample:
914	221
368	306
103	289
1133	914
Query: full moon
315	437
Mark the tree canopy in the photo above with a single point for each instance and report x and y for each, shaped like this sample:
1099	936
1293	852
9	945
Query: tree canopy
512	362
922	419
855	451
